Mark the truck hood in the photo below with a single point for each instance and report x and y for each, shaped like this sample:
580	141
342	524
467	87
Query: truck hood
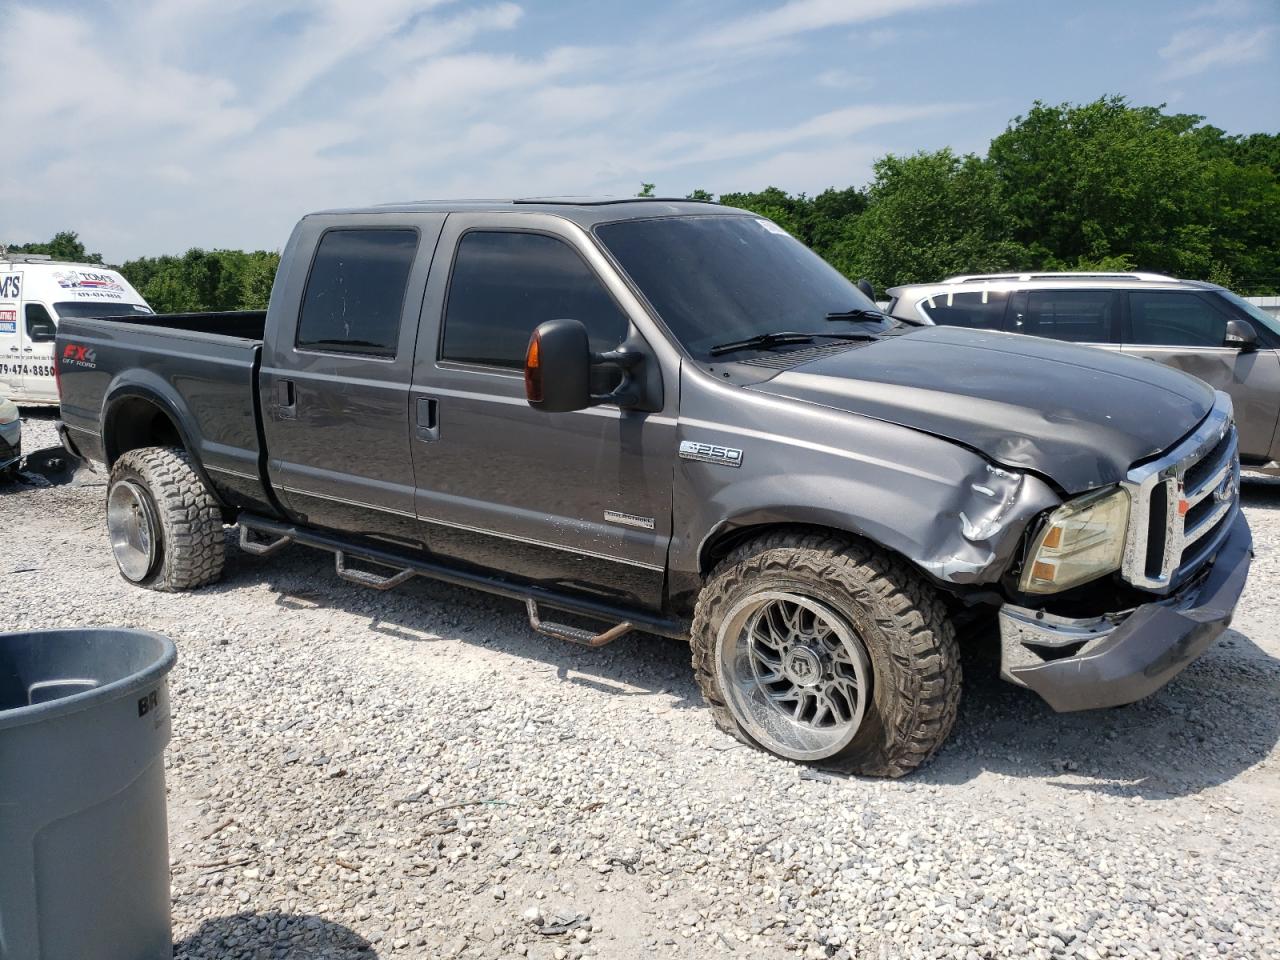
1079	416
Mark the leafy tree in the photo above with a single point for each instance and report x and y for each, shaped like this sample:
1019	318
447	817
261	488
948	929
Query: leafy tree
65	245
204	280
646	190
1085	182
928	216
700	194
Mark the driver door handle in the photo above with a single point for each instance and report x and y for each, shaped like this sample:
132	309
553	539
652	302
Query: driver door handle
286	400
428	421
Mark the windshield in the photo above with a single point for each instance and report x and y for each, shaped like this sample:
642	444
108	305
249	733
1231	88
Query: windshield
1255	312
718	279
106	308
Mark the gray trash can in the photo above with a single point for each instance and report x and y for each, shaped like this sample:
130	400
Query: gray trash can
84	843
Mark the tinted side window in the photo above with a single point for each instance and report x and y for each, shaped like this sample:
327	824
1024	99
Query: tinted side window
355	293
505	284
1081	316
40	326
978	309
1175	319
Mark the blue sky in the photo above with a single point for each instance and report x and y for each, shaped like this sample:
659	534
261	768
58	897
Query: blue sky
151	127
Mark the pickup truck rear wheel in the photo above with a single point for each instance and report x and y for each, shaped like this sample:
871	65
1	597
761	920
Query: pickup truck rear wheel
823	650
165	526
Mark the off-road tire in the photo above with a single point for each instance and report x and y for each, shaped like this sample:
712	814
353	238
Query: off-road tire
899	617
192	542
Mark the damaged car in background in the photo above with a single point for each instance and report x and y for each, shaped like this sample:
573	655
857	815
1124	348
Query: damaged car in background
671	416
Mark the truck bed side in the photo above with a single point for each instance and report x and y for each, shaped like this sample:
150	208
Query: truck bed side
181	379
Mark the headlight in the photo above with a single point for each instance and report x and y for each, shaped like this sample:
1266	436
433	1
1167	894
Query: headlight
1080	541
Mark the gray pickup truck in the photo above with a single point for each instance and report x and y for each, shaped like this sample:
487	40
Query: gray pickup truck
672	417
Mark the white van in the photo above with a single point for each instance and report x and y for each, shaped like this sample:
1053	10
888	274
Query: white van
35	292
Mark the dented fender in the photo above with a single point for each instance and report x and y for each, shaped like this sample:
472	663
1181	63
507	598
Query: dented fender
944	507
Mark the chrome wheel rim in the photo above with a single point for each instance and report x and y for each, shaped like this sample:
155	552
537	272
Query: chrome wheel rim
132	526
795	674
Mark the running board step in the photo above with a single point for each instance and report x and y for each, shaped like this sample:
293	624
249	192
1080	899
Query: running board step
367	578
259	548
574	634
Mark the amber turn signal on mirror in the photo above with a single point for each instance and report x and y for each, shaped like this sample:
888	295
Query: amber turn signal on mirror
533	370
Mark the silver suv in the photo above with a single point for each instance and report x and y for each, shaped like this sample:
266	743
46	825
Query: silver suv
1201	328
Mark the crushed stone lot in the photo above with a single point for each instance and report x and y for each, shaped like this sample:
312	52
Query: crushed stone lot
417	774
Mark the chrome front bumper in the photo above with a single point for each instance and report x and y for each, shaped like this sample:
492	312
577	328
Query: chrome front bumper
1120	658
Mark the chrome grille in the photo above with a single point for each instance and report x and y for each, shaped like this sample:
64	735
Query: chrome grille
1182	504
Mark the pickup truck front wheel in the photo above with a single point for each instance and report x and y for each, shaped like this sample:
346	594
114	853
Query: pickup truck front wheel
164	524
823	650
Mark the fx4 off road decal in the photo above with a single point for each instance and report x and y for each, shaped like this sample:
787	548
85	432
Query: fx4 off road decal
75	355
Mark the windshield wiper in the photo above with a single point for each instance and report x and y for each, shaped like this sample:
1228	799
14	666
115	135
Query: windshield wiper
781	337
858	313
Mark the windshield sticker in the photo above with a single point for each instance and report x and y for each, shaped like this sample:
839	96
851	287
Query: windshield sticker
86	280
772	227
8	321
11	286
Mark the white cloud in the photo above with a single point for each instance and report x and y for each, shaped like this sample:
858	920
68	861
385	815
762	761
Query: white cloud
162	124
1221	10
838	79
802	16
1198	49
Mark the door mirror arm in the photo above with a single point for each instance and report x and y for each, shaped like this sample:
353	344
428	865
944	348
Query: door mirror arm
627	392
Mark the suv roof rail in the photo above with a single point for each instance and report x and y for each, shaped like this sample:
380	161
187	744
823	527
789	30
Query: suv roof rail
1060	275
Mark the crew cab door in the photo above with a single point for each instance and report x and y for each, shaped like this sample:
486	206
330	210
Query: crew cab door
580	501
336	369
1187	330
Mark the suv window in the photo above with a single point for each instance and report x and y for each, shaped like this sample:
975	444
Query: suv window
1081	316
504	284
1174	318
355	293
977	309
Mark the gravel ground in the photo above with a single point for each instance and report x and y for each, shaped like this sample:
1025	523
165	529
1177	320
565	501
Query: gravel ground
418	774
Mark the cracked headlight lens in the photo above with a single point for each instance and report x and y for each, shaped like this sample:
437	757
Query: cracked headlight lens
1080	541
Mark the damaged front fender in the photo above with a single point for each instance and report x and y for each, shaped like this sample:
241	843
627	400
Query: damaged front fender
977	544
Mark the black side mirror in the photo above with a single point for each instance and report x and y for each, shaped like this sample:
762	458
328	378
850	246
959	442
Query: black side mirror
1241	335
41	331
557	367
868	290
559	363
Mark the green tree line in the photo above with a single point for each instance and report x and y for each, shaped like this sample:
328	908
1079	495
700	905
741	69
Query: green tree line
1097	186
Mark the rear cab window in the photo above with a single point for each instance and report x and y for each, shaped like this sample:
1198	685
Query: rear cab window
354	296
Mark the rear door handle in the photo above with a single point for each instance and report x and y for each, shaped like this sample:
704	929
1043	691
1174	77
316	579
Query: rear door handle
286	400
428	420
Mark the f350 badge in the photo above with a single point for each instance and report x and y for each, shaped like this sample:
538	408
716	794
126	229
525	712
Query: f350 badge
711	453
